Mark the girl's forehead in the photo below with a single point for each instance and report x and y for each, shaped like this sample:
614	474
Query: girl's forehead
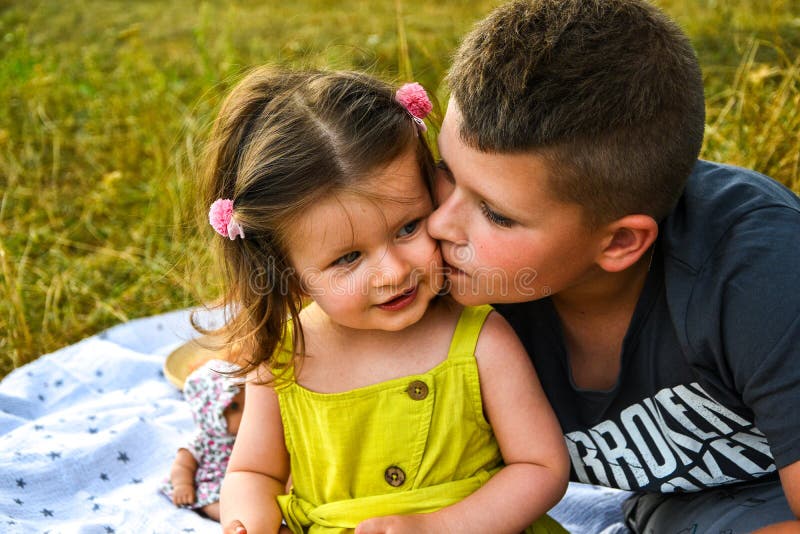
362	217
348	211
392	188
401	177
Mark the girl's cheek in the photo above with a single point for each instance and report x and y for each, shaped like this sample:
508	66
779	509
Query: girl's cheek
343	283
434	253
312	282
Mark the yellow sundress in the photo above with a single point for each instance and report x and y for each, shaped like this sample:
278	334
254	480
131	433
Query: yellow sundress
408	445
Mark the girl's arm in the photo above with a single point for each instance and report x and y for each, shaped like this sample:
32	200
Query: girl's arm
537	464
259	465
181	476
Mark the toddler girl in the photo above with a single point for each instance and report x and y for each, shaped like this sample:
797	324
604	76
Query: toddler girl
371	388
216	401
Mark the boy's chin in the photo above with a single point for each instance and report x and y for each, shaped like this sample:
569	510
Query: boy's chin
466	297
471	296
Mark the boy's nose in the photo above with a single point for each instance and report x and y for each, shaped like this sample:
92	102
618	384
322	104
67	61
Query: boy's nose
444	223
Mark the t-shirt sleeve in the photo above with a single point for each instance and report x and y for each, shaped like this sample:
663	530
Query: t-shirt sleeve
753	278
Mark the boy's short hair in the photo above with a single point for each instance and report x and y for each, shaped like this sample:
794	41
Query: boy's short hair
609	92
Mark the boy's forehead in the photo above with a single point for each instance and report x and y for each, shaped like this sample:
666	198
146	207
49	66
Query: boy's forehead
508	178
451	124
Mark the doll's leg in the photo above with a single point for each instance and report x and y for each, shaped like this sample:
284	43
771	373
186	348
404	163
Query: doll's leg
212	510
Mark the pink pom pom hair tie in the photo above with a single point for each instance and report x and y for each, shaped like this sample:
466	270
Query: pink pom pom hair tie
220	215
413	97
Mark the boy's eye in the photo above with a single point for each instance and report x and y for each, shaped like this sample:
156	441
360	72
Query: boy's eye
495	217
444	171
408	229
233	406
348	258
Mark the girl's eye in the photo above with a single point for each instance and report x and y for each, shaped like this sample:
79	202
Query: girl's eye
233	406
495	217
348	258
408	229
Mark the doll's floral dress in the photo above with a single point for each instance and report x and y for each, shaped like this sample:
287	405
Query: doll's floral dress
208	393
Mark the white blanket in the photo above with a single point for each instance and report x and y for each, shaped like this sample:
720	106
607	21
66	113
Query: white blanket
87	434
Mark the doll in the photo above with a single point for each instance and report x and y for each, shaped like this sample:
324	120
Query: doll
216	401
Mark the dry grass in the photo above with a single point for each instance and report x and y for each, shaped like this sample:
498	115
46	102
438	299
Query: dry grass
103	105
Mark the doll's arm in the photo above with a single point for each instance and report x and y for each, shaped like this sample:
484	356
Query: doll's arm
182	478
537	464
259	465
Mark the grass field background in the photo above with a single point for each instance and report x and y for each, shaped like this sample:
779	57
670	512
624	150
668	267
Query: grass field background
104	106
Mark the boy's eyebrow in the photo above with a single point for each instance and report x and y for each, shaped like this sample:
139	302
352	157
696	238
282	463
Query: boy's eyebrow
448	175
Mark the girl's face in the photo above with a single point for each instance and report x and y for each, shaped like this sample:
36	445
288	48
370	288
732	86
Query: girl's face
366	258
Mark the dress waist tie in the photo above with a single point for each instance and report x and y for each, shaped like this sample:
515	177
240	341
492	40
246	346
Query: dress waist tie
346	514
300	514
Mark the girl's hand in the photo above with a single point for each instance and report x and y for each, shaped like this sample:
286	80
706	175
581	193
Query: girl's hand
401	524
234	527
183	494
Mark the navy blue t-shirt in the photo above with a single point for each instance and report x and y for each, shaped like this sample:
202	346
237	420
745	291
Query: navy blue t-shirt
709	386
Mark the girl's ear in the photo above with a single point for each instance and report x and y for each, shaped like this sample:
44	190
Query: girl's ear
627	240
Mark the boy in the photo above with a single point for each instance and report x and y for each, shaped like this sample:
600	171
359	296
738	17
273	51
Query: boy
656	294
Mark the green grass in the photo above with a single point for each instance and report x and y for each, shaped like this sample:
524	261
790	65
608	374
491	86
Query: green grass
104	105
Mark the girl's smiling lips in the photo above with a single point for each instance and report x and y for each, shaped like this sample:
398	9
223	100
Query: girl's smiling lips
401	301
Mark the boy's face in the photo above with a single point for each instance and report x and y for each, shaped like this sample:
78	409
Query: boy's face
503	234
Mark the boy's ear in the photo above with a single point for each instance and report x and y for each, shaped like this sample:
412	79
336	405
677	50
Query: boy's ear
627	240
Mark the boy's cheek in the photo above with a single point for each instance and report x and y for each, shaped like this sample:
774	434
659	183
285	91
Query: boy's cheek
467	294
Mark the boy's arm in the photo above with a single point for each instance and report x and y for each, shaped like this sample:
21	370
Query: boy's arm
761	332
259	465
790	480
182	478
537	465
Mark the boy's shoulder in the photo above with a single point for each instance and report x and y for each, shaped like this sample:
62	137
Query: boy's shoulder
712	183
730	253
716	199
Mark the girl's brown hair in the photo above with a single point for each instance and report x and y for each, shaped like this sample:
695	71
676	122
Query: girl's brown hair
281	141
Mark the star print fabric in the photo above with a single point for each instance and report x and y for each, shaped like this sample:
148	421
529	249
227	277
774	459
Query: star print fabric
88	432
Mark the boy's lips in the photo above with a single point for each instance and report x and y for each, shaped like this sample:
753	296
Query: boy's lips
452	270
400	301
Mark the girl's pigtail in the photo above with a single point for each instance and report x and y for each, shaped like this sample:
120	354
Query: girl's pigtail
260	296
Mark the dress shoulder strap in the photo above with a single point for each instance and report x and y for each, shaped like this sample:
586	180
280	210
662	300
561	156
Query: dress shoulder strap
467	331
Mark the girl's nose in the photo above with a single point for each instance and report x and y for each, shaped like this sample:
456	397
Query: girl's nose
392	270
